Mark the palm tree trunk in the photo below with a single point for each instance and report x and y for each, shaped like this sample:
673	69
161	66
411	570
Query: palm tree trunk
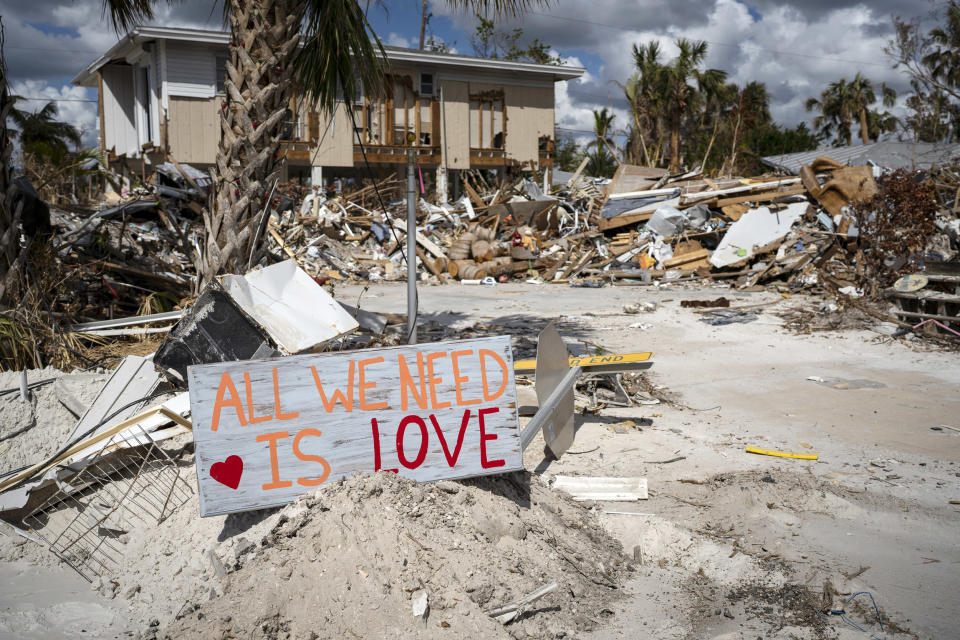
864	130
8	226
675	140
643	143
265	35
423	23
733	143
713	136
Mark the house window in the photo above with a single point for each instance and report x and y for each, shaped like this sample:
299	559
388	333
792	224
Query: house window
426	84
221	74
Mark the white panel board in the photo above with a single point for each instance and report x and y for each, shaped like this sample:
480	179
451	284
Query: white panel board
297	312
756	228
120	129
269	430
603	489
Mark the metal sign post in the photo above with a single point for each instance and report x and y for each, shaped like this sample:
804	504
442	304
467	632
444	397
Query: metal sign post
411	250
557	373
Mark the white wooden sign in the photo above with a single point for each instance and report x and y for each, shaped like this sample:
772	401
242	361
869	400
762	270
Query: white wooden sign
267	431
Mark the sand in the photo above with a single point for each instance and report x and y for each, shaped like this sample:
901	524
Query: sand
729	545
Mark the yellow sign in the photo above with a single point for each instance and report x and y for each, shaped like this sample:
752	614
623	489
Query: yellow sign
591	361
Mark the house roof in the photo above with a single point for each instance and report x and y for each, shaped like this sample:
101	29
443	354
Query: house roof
137	36
890	155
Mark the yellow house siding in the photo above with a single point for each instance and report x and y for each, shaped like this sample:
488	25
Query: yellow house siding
456	108
529	116
335	148
194	129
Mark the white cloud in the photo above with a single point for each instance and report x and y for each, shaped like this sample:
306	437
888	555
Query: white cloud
396	40
71	104
795	49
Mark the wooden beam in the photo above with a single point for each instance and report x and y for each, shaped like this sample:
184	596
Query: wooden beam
760	197
623	220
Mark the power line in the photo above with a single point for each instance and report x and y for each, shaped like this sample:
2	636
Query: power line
57	99
719	44
90	51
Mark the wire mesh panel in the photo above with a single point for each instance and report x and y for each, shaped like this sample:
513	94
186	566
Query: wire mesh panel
130	483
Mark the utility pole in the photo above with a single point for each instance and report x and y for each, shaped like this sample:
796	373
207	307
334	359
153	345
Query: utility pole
411	247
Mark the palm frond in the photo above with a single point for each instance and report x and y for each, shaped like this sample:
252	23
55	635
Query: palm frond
341	53
125	14
499	8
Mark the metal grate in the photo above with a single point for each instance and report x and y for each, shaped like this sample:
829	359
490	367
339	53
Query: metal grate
130	482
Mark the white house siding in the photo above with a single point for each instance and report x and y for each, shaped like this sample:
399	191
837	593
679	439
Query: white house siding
120	130
191	70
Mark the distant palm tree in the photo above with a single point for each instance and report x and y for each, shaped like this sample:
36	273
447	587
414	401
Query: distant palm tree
879	123
751	110
864	96
944	60
643	91
340	53
603	131
836	105
676	81
41	134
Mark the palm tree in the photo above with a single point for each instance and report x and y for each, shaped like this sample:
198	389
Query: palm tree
643	92
340	53
603	130
880	122
752	109
864	96
837	105
41	134
677	77
944	60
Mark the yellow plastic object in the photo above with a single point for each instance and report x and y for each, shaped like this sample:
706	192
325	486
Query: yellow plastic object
782	454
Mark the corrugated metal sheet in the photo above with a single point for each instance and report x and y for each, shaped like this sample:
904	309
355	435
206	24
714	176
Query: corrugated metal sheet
890	155
191	70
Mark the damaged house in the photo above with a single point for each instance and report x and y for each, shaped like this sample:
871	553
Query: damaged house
163	88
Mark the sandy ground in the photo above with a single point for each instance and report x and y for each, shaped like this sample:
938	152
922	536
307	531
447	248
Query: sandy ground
729	545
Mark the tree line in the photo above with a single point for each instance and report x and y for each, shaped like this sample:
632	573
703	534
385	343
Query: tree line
682	115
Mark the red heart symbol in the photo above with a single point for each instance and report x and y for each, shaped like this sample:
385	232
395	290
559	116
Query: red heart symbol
228	472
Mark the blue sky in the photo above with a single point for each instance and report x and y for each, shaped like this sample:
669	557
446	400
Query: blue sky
795	47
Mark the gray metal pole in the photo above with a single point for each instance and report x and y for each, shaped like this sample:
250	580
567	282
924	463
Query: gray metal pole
411	250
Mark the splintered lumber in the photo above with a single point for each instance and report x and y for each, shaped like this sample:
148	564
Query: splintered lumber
433	267
766	196
624	220
474	196
283	245
693	256
422	240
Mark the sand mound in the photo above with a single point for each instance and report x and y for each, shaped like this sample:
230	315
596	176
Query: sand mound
347	560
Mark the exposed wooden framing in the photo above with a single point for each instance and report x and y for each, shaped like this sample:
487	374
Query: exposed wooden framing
393	158
416	106
480	123
492	134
